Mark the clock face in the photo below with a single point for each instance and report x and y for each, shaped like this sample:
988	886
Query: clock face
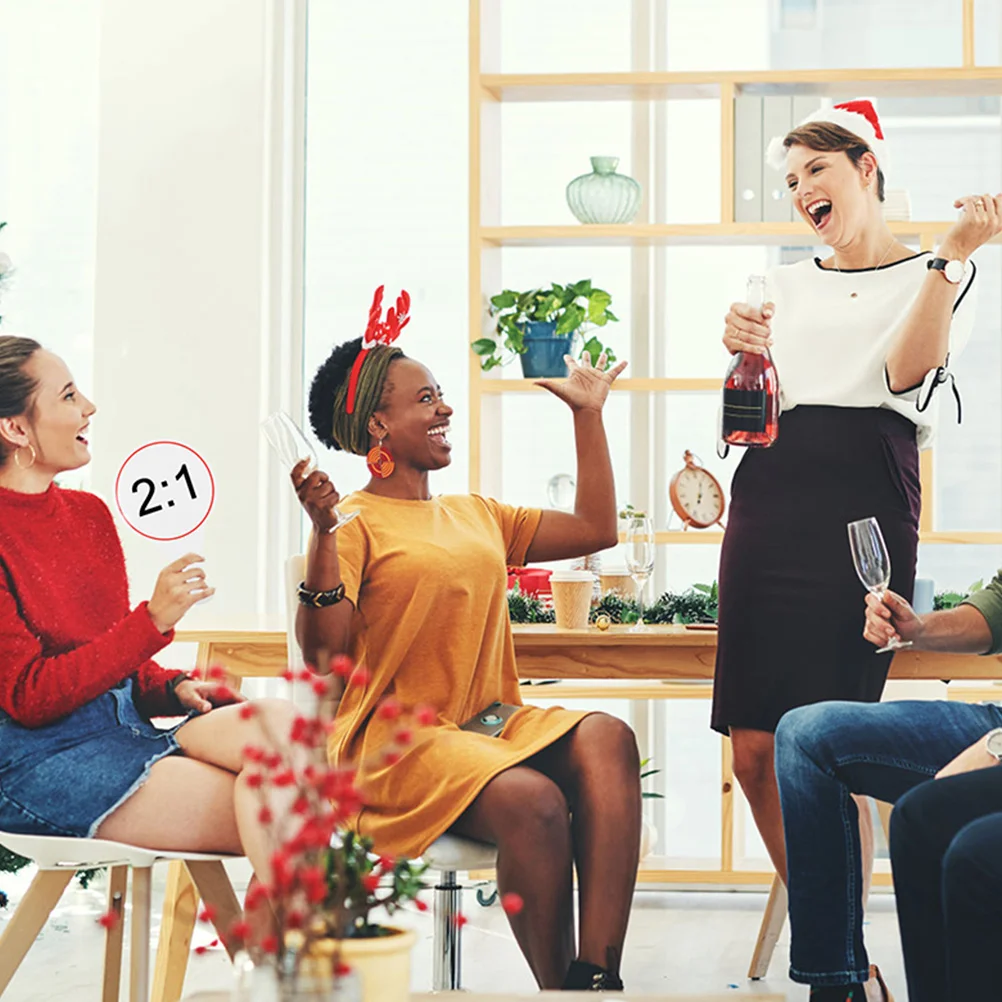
700	496
165	490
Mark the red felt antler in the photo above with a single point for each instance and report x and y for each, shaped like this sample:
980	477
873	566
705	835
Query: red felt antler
378	331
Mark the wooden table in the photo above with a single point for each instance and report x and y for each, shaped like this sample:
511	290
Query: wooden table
545	652
553	996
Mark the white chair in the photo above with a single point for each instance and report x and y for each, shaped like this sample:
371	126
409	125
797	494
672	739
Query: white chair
449	854
58	859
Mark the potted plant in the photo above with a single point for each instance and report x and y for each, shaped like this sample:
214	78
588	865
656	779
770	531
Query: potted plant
540	326
326	879
648	833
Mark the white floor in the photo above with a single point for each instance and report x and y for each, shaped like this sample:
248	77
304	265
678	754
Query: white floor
678	941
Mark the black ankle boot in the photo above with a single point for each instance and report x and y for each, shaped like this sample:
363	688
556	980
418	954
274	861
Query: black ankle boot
591	978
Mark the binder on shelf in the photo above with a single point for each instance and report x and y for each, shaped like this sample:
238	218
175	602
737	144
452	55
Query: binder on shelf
777	120
748	159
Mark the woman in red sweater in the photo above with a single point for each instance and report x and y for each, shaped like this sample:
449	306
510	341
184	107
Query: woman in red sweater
78	686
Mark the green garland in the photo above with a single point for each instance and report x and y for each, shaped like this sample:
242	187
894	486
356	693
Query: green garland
697	604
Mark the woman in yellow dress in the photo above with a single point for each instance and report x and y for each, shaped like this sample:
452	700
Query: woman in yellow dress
417	592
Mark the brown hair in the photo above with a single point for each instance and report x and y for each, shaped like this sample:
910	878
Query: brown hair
17	388
825	137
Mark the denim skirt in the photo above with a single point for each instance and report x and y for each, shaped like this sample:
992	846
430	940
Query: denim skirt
65	778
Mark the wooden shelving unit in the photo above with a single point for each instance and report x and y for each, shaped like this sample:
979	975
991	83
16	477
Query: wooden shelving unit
711	86
489	89
681	234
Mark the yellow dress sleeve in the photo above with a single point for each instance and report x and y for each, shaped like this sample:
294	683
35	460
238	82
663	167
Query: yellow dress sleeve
518	528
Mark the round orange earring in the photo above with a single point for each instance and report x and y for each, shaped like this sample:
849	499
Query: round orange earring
380	462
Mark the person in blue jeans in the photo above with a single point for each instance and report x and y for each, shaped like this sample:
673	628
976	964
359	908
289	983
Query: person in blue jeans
935	762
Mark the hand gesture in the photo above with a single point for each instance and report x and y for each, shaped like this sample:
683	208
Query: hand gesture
179	586
890	619
748	329
586	386
204	696
317	495
979	222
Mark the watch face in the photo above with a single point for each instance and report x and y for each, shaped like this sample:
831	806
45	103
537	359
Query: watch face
994	744
954	271
699	496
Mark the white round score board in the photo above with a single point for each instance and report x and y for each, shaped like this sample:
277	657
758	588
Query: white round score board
165	490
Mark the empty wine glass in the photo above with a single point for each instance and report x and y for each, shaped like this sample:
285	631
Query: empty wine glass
873	565
292	446
640	560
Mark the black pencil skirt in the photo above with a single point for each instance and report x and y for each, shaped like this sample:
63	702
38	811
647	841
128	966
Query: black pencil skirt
791	606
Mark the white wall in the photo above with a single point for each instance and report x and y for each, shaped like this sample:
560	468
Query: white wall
48	173
184	334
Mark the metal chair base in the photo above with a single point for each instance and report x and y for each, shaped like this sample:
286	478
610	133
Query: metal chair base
448	936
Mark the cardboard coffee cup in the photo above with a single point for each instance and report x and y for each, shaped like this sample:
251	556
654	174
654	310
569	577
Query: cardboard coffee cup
619	581
572	594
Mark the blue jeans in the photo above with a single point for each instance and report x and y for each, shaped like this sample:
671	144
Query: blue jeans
945	840
825	753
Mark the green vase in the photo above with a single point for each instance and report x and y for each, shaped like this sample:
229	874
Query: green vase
603	196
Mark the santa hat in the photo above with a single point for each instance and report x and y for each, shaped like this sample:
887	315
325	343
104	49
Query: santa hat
858	117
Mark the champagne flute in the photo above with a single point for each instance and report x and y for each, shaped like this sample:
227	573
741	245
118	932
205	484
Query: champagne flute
873	565
292	446
640	560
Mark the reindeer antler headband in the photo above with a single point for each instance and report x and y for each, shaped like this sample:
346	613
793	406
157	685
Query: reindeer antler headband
378	332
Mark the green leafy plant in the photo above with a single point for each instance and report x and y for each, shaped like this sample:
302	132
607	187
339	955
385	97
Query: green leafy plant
649	794
524	608
951	599
359	881
698	604
578	306
630	512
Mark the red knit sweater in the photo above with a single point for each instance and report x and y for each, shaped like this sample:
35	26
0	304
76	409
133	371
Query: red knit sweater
66	632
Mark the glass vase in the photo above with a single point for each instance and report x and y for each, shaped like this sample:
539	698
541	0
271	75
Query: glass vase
603	196
264	982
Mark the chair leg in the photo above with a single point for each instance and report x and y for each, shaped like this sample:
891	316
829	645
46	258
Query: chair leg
139	987
772	926
118	881
26	923
176	928
448	939
214	886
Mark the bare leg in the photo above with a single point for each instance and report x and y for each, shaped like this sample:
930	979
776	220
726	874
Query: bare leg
755	769
219	738
526	816
598	768
211	807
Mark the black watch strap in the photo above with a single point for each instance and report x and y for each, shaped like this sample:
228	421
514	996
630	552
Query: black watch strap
175	682
319	599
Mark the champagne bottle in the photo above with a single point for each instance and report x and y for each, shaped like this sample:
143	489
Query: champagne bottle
751	390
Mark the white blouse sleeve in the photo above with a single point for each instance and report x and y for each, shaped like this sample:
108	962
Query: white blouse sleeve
961	326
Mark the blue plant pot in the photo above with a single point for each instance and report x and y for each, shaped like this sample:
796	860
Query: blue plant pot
544	352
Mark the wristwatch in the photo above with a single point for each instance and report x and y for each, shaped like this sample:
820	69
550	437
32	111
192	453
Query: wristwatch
953	271
993	744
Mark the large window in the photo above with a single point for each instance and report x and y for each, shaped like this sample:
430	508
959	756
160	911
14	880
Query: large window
387	202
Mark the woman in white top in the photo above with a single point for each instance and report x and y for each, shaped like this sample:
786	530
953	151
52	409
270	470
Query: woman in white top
860	340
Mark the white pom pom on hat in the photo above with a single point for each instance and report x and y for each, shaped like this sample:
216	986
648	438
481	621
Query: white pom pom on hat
858	117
